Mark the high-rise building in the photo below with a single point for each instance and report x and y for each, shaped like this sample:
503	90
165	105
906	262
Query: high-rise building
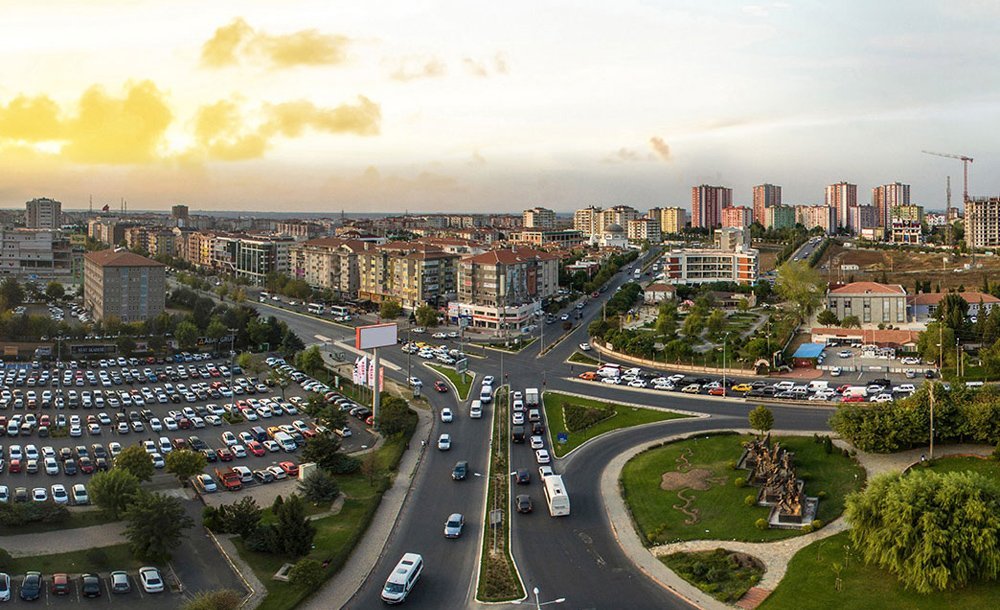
887	197
618	215
124	285
644	229
672	220
862	217
982	222
587	221
810	216
779	217
737	216
841	197
179	212
707	203
765	196
539	218
43	213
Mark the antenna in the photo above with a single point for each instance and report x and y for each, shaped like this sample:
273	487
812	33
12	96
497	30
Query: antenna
91	204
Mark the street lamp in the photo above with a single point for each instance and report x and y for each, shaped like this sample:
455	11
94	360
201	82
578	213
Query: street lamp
538	603
724	341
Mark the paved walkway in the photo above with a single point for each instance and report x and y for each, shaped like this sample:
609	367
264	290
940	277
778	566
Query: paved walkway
64	541
775	555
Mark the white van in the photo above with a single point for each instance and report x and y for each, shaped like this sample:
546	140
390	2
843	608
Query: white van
285	441
486	395
610	370
815	386
476	409
403	577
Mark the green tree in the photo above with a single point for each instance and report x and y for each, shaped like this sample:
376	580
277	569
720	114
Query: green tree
426	316
55	290
187	335
761	419
396	417
11	293
306	573
930	341
933	531
827	318
294	531
310	360
220	599
801	285
279	378
324	451
184	464
666	319
113	490
291	344
126	345
243	517
716	322
155	524
851	321
252	364
953	311
693	325
319	487
216	331
136	461
390	310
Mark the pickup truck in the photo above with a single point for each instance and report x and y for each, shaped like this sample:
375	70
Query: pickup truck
230	480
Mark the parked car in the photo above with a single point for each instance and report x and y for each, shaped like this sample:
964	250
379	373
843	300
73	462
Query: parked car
150	579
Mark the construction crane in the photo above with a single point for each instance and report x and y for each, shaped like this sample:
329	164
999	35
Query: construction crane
965	170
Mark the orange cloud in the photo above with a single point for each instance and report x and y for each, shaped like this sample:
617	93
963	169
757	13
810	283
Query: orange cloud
414	68
220	133
660	148
239	40
292	118
30	119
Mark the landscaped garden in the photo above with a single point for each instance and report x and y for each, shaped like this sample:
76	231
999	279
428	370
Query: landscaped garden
584	418
461	381
690	489
725	575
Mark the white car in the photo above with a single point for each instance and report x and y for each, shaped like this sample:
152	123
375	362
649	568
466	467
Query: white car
51	466
542	456
80	496
518	419
612	380
59	495
585	347
415	382
545	471
475	411
444	442
537	442
637	383
150	580
39	494
206	483
446	415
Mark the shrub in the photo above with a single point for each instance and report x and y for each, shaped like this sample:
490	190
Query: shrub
761	523
6	561
807	528
750	500
579	417
817	523
740	482
827	445
97	557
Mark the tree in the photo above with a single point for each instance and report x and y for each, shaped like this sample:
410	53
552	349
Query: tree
155	524
294	531
953	311
291	344
934	531
319	487
55	290
369	467
929	343
761	419
396	417
126	345
113	490
426	316
800	284
242	517
306	573
827	318
851	321
216	331
136	461
187	335
220	599
11	293
279	378
310	360
716	322
693	325
390	310
323	450
252	364
185	463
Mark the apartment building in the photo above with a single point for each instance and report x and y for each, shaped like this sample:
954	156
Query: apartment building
123	284
43	213
42	253
887	197
644	229
411	273
618	215
871	302
706	265
982	222
328	263
840	198
539	218
779	217
862	217
906	232
765	196
737	216
587	221
908	212
672	220
811	216
504	288
707	203
161	242
561	239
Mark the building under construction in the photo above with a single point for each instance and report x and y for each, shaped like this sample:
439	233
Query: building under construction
982	222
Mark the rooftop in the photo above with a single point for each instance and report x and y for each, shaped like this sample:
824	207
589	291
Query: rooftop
509	257
120	258
869	288
971	297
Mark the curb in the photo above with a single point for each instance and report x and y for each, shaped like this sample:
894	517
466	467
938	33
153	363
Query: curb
458	398
254	597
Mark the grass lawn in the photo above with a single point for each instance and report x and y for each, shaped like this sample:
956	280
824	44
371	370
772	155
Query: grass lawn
811	582
77	518
721	513
102	559
624	417
336	535
462	382
724	575
514	348
583	359
986	466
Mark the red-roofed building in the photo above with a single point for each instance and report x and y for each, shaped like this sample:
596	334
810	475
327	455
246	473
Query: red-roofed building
124	285
924	306
871	302
410	273
328	262
505	287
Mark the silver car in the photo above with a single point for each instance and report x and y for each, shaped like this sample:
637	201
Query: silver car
453	526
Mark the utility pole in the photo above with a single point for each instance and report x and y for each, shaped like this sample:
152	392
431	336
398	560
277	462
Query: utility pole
932	422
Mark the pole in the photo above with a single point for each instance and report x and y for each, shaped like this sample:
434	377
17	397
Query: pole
376	391
725	340
932	422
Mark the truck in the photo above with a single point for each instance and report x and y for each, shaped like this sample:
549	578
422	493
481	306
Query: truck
531	397
230	479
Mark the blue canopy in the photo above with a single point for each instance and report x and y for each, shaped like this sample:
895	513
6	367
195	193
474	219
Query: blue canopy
809	350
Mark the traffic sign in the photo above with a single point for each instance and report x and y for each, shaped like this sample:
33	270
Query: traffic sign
563	438
461	365
496	517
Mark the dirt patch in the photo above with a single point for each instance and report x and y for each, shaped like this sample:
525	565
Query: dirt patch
696	478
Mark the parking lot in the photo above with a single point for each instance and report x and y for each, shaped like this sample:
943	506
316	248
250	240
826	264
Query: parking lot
170	597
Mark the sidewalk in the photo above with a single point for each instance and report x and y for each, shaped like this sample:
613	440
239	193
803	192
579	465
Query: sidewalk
64	541
337	592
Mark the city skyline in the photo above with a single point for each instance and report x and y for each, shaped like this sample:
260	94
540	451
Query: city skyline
252	106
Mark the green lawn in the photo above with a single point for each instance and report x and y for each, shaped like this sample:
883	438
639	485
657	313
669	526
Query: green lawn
462	382
724	575
986	466
811	582
721	511
102	559
513	348
583	359
77	518
336	535
625	417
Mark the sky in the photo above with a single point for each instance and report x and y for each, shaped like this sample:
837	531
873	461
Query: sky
323	106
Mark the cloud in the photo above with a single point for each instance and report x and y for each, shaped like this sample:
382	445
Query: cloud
103	128
239	40
220	133
660	148
482	69
411	68
292	118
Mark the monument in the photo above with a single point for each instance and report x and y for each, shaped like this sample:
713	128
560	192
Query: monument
772	471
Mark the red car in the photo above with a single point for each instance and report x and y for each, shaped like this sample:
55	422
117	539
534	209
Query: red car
15	466
184	423
86	466
853	398
717	392
440	386
256	448
60	584
224	454
290	468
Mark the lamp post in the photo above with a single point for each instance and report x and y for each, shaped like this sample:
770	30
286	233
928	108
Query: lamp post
538	602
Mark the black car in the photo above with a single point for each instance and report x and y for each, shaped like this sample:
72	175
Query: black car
90	585
209	455
523	503
537	428
69	467
460	471
523	476
31	586
928	374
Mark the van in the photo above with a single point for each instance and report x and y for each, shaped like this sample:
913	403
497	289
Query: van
815	386
856	390
402	579
486	395
517	434
476	409
285	441
610	370
259	434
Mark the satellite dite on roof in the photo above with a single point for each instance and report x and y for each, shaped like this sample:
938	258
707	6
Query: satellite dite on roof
373	337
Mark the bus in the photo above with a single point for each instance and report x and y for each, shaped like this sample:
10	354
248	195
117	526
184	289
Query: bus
556	496
340	311
316	308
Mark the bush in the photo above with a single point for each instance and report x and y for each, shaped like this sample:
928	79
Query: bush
761	523
306	573
580	418
97	557
740	482
6	561
807	528
750	500
817	523
263	540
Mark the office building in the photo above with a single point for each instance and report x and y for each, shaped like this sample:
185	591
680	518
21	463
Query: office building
871	302
887	197
124	285
38	253
737	216
539	218
841	197
810	216
982	222
43	213
765	196
644	229
502	289
906	232
707	203
779	217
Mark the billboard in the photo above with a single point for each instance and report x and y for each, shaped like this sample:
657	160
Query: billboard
375	335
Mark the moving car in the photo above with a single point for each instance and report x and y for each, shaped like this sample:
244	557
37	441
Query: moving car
542	456
446	415
585	347
453	526
523	503
460	471
444	442
440	386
